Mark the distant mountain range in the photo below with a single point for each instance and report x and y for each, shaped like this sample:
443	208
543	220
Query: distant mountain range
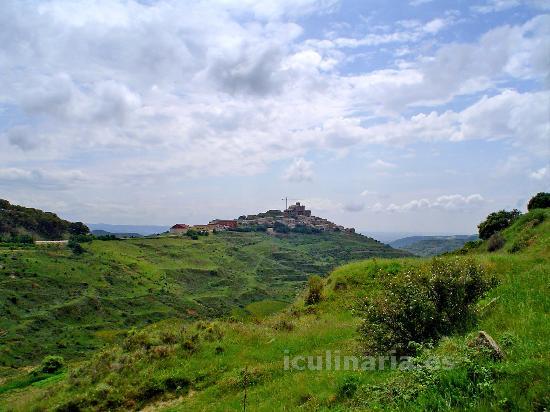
143	230
119	235
431	245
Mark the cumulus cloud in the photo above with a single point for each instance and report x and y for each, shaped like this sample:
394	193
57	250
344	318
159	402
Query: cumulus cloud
299	170
445	202
159	90
492	6
148	78
40	179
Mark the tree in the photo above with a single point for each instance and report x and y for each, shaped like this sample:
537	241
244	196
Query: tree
496	222
539	201
280	227
78	228
75	247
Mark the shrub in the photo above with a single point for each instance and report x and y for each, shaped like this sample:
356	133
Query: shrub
348	387
75	247
423	304
82	238
539	201
51	364
283	325
495	242
315	289
496	222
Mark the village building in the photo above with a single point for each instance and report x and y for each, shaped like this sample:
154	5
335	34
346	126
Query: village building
179	229
203	228
224	224
297	210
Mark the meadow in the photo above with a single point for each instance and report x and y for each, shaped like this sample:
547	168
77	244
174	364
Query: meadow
222	365
55	302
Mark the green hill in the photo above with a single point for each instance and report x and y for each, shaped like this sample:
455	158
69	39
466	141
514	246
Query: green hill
431	245
56	302
221	365
22	224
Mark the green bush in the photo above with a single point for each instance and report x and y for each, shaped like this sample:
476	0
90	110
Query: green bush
51	364
315	289
423	304
539	201
495	242
76	247
348	387
496	222
82	238
15	238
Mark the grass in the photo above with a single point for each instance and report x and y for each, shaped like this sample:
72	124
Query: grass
56	302
173	365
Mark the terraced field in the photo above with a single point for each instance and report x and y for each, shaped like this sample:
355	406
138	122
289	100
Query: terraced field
55	302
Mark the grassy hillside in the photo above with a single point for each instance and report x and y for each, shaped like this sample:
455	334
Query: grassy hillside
431	245
218	366
22	224
55	302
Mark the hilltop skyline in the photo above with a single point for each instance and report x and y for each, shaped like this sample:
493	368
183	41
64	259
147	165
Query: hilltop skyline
422	117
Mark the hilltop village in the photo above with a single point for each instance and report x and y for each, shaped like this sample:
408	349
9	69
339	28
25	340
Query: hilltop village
295	218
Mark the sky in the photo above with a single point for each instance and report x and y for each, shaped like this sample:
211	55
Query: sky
411	116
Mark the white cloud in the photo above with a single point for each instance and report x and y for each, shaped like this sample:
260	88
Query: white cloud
541	174
382	166
415	3
491	6
299	170
445	202
152	92
40	179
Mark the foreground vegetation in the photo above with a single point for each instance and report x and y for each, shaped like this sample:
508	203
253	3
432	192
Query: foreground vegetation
69	301
225	365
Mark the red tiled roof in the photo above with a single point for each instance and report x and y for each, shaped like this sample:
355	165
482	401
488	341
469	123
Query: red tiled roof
179	226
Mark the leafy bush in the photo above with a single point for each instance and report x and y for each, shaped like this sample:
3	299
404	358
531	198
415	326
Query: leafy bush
194	234
76	247
348	387
496	222
423	304
470	245
82	238
51	364
539	201
107	237
14	238
315	289
495	242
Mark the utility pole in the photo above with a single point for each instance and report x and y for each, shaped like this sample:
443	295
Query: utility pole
286	199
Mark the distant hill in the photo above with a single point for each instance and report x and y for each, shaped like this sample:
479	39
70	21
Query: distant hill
143	230
431	245
119	235
18	221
